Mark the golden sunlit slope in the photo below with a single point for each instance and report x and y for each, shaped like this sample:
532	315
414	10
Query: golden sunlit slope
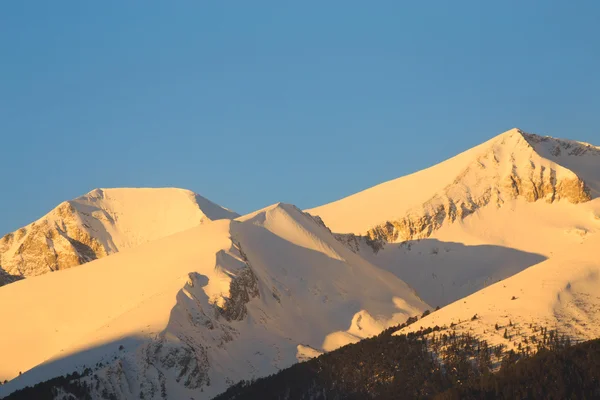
561	294
195	311
512	165
515	201
99	223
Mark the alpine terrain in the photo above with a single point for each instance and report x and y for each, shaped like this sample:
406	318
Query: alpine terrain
505	234
190	314
479	217
100	223
181	298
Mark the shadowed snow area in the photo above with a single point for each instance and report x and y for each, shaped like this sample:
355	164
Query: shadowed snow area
180	298
561	293
517	203
201	309
579	157
443	272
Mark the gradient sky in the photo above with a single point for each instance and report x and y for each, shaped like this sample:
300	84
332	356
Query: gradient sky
250	103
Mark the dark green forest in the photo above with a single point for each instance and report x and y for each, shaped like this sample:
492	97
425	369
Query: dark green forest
460	367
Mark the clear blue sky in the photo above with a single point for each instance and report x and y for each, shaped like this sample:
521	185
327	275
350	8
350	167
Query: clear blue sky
250	102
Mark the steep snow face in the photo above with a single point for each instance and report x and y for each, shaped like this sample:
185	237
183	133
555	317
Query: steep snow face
490	245
99	223
511	165
561	293
509	169
482	216
577	156
189	314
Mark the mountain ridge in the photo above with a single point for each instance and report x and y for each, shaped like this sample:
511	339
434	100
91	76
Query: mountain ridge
185	305
99	223
502	168
521	173
560	292
258	294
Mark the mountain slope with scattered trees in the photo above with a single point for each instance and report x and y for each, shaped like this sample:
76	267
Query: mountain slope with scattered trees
431	364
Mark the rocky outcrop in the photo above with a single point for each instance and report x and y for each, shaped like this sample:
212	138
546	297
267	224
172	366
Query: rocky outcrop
188	363
145	373
100	223
49	245
242	289
558	147
6	278
546	188
350	240
511	169
198	327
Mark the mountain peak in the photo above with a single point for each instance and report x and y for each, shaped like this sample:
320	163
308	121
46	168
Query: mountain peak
99	223
268	209
198	310
139	191
549	146
514	137
512	165
512	131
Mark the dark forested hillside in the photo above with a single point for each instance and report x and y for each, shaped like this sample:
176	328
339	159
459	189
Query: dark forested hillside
570	373
432	364
405	367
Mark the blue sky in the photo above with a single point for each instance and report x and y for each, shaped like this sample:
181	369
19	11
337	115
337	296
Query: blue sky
250	103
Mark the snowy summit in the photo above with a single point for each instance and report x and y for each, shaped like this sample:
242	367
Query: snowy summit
160	293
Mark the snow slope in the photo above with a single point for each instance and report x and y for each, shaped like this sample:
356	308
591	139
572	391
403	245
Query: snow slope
493	244
506	233
561	293
99	223
511	165
503	206
200	309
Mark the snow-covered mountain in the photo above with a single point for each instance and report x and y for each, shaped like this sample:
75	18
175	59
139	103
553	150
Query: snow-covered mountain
481	216
195	297
560	294
102	222
510	166
186	315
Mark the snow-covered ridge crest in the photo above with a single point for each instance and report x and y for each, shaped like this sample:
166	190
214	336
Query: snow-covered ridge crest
511	167
287	221
194	312
100	223
557	146
580	157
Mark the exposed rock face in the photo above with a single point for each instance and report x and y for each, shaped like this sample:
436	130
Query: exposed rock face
183	350
560	147
6	278
193	313
243	288
350	240
511	169
146	376
50	245
100	223
189	363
